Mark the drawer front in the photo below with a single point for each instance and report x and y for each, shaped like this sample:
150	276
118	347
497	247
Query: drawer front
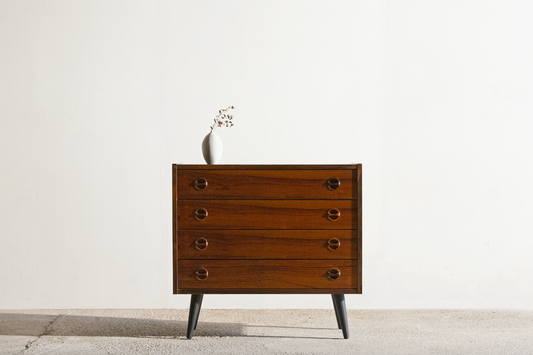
267	244
266	214
208	276
266	184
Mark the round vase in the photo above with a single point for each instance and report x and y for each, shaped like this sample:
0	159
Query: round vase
212	148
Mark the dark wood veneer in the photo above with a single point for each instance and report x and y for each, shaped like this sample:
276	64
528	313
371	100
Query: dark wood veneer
268	167
268	244
265	274
266	214
265	184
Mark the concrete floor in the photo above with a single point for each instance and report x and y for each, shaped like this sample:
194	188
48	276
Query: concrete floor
265	332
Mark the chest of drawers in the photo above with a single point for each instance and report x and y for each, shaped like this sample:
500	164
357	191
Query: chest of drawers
290	229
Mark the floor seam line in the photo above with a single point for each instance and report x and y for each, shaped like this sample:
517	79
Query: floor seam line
47	331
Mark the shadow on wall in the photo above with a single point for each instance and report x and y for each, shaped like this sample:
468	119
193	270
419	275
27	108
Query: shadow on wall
73	325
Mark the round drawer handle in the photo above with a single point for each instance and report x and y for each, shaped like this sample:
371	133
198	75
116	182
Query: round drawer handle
200	244
333	214
333	244
333	183
200	183
334	274
201	274
200	214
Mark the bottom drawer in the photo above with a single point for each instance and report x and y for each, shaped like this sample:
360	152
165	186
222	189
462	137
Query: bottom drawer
264	276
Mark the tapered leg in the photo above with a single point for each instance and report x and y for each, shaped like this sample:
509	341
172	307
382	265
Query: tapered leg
201	298
342	317
194	312
336	311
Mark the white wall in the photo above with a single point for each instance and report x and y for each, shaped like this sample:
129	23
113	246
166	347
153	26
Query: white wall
99	98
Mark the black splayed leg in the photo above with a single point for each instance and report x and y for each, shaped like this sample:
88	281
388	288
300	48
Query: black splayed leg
194	312
336	312
201	298
340	307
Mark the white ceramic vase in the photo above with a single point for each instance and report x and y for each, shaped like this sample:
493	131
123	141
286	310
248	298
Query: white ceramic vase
212	148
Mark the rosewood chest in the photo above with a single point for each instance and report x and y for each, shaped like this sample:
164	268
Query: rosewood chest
290	229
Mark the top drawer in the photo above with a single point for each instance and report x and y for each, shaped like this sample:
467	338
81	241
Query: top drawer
266	184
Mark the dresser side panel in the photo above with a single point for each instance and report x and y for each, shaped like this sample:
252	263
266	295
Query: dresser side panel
359	179
175	228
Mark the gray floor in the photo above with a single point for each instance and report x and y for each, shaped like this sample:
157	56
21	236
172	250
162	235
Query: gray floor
265	332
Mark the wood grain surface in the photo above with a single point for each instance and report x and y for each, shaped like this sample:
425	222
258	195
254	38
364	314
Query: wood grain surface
266	214
266	184
266	244
265	274
267	166
266	229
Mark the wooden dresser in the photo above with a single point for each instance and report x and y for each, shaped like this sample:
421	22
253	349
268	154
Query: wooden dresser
290	229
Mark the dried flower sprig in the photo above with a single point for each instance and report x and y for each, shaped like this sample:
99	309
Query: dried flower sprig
223	119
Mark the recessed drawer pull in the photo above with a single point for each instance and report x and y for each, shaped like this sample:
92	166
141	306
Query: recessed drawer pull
334	274
333	214
200	244
200	183
200	214
333	244
202	274
333	183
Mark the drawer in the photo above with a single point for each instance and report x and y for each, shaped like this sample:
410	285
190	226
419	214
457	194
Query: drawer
266	214
267	244
266	184
210	276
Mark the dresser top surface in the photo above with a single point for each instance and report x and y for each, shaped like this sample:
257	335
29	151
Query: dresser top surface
266	167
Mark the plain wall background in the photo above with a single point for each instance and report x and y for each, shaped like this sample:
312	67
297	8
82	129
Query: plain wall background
99	98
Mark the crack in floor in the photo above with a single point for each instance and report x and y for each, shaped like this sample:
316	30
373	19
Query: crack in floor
47	331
